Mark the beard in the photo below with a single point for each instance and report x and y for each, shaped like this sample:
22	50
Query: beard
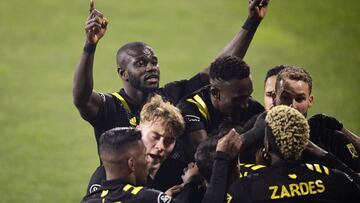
141	84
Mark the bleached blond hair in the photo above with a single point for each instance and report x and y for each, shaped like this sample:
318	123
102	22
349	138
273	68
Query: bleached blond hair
290	130
170	115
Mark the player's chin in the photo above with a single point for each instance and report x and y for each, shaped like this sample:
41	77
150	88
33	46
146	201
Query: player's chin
152	87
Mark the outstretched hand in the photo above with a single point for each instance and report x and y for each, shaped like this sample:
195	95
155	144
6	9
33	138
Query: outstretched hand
95	26
258	8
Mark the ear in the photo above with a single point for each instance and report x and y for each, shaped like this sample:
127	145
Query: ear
131	164
123	74
311	98
215	92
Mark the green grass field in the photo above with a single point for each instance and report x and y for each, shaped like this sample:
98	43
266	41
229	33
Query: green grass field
48	152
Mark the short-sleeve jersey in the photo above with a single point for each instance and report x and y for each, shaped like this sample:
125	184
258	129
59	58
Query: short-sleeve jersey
199	113
119	110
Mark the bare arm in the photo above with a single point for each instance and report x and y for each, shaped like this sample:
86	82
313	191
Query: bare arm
85	99
239	45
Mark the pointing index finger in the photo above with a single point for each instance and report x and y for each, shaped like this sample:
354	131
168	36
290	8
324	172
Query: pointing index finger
92	7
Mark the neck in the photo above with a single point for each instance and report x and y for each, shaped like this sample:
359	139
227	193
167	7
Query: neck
116	173
274	159
135	94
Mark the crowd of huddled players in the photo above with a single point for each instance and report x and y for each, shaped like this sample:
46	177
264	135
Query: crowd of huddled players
206	139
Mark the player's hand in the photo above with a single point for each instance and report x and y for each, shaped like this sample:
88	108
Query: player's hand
258	8
190	173
174	190
230	143
95	26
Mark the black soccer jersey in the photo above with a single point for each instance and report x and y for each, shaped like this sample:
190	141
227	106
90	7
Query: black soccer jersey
119	110
294	182
325	132
199	113
116	191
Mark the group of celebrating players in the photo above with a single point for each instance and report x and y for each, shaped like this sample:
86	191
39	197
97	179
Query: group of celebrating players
206	139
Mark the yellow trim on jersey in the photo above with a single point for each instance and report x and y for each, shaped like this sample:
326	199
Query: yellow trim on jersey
253	167
134	190
104	193
132	121
122	100
318	168
199	102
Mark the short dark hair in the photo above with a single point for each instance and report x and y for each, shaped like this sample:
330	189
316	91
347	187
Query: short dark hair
204	156
274	71
229	67
129	49
118	139
294	73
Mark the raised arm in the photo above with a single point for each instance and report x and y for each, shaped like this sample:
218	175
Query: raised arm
240	43
85	99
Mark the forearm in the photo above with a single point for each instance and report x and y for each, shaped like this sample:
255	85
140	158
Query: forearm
239	45
335	163
216	190
83	79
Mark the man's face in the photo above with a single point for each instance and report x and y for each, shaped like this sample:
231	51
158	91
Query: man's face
141	171
233	95
269	90
157	142
143	70
295	94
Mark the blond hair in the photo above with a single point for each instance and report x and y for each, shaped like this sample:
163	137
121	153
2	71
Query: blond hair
290	130
170	115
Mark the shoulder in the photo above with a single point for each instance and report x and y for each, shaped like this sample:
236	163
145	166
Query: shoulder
250	169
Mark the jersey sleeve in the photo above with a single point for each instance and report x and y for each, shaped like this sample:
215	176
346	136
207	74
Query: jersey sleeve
350	192
111	114
194	120
179	89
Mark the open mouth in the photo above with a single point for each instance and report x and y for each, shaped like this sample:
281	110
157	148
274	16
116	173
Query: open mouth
154	157
152	78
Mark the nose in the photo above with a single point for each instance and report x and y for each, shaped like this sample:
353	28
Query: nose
160	145
151	67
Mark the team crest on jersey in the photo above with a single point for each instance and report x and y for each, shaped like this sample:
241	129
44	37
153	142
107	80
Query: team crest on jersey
94	187
352	150
163	198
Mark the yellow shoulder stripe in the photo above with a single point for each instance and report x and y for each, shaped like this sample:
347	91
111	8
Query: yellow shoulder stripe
104	193
318	168
134	190
201	106
122	100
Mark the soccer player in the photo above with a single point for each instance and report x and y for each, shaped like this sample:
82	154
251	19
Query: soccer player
161	123
293	88
227	96
269	85
139	71
288	180
124	157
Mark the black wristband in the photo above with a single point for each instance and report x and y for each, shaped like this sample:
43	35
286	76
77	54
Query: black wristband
251	24
89	48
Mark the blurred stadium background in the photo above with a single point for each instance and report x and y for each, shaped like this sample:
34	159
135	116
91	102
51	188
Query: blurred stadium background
47	152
